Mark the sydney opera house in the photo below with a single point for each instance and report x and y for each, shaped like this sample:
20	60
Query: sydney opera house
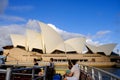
48	43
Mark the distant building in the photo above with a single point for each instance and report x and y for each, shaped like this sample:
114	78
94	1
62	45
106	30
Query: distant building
48	43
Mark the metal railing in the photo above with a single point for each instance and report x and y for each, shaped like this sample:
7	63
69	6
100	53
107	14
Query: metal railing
94	73
98	74
11	71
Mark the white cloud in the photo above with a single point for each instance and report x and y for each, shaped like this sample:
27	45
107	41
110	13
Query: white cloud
33	25
3	5
103	32
101	37
5	32
65	34
11	18
99	34
95	43
21	8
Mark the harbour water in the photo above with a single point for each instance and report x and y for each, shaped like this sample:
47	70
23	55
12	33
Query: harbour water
115	71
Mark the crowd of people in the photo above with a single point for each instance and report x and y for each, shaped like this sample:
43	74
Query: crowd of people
50	69
72	73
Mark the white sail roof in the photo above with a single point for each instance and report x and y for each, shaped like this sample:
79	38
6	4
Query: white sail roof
50	38
49	41
64	47
77	44
93	48
18	40
33	40
106	48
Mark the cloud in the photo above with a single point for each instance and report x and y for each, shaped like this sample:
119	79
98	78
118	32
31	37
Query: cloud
11	18
99	34
3	5
5	32
100	38
21	8
95	43
33	25
65	34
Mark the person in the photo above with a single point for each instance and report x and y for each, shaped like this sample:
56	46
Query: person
51	63
70	64
51	69
40	72
3	58
75	71
68	76
35	62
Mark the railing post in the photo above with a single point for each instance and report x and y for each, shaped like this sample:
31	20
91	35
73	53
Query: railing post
99	76
86	69
112	78
8	73
96	73
81	67
33	73
45	68
93	74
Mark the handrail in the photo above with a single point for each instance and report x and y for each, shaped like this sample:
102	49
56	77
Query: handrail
112	75
98	74
10	70
95	73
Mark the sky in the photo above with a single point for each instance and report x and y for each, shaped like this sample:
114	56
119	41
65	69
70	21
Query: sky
97	20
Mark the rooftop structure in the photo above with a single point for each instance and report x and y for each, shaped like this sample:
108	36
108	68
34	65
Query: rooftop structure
49	44
48	41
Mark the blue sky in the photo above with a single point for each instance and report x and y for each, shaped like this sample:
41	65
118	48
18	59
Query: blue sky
96	19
